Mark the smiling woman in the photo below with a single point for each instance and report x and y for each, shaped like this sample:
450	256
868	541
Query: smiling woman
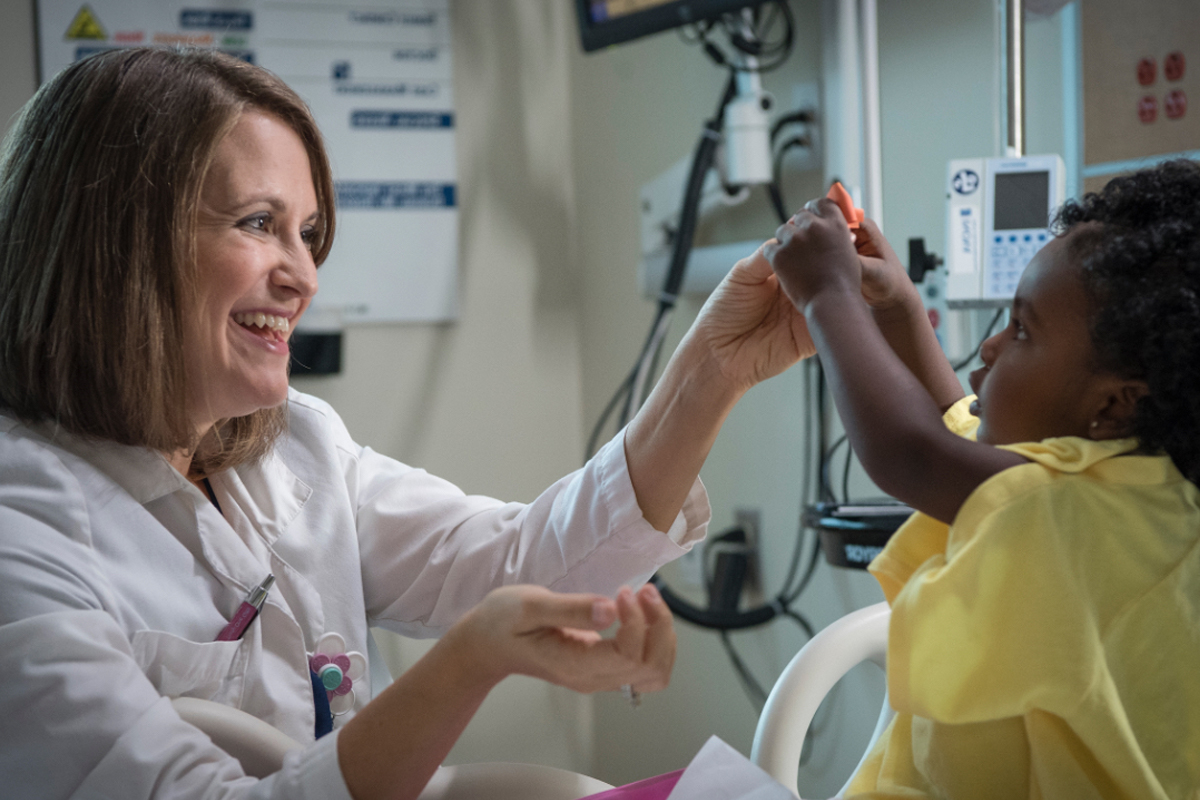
162	217
101	197
256	222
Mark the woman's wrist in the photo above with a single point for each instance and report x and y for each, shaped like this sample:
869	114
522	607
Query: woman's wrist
697	373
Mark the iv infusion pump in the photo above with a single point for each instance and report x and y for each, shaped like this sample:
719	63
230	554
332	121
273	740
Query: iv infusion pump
998	217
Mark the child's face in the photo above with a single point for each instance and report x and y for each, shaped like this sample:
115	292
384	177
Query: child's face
1038	380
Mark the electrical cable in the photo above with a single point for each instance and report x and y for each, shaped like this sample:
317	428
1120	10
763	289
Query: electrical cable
754	690
802	622
633	389
759	44
846	473
765	51
775	188
802	116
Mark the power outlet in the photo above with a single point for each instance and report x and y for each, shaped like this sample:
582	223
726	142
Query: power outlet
750	521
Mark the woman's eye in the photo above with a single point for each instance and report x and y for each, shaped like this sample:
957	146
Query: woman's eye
257	222
308	236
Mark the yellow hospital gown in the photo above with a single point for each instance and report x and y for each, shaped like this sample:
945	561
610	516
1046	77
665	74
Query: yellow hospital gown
1047	644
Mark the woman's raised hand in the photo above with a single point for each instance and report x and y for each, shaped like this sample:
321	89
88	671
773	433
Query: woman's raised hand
530	630
750	326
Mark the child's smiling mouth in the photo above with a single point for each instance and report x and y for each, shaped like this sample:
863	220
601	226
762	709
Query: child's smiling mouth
976	381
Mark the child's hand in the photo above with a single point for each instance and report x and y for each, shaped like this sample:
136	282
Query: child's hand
814	252
885	282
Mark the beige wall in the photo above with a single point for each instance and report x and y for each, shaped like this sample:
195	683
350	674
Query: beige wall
493	401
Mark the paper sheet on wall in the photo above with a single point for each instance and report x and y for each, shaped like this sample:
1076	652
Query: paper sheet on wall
378	79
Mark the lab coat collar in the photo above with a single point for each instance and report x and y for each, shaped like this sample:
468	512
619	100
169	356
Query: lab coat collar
267	493
144	473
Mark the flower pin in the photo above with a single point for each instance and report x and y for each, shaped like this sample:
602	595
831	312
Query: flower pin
338	670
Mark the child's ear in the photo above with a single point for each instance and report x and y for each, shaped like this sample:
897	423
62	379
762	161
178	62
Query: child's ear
1117	409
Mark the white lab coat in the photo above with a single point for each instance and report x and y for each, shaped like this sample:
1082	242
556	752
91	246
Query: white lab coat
116	574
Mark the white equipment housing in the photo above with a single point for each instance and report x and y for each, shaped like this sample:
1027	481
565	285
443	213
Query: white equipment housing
660	216
998	217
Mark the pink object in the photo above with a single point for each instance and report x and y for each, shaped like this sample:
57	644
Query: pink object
839	195
331	654
656	788
246	612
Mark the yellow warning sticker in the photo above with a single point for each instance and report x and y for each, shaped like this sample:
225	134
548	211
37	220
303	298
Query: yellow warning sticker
85	26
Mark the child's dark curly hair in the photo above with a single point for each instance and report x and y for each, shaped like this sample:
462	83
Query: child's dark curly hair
1141	269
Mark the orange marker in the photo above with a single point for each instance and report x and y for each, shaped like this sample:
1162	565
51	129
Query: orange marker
839	195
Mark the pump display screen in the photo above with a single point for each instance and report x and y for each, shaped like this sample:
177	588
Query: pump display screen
1021	200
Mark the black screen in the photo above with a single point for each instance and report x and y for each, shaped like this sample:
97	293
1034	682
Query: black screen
607	22
1022	200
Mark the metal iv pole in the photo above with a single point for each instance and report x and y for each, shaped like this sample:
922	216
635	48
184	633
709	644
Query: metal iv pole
1014	25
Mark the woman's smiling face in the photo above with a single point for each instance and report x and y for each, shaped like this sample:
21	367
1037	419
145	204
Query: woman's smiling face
255	273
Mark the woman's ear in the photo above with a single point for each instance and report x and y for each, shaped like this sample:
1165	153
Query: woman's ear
1115	413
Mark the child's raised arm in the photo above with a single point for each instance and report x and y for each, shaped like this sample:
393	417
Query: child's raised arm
898	311
893	420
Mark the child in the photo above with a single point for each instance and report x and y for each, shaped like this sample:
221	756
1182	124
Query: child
1045	629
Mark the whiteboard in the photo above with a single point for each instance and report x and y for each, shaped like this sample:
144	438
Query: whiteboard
378	80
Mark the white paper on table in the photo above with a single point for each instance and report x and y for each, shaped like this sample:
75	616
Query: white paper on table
718	772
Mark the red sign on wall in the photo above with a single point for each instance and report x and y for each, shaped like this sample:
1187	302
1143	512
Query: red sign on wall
1173	66
1147	71
1148	108
1175	104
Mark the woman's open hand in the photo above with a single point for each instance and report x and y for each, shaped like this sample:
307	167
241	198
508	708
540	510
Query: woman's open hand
533	631
395	743
750	326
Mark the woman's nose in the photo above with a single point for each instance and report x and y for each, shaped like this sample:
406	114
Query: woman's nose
296	270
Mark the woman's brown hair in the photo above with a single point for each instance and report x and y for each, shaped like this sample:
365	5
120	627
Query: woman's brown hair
100	181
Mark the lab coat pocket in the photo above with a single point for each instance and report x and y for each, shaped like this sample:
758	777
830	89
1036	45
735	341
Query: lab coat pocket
181	668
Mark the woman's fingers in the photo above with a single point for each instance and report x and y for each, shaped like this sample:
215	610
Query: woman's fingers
534	631
659	651
631	636
542	608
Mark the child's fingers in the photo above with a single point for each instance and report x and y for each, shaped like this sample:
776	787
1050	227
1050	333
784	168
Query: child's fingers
871	242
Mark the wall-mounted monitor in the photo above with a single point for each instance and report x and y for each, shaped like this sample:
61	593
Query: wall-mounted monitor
607	22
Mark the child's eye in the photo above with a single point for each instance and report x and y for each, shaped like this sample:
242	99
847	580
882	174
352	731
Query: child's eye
1019	331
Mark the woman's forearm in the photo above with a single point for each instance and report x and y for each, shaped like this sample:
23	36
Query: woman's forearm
669	439
396	742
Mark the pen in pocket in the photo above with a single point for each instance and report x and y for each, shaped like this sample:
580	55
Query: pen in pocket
246	612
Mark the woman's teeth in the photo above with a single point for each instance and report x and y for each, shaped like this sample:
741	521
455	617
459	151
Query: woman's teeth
260	320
